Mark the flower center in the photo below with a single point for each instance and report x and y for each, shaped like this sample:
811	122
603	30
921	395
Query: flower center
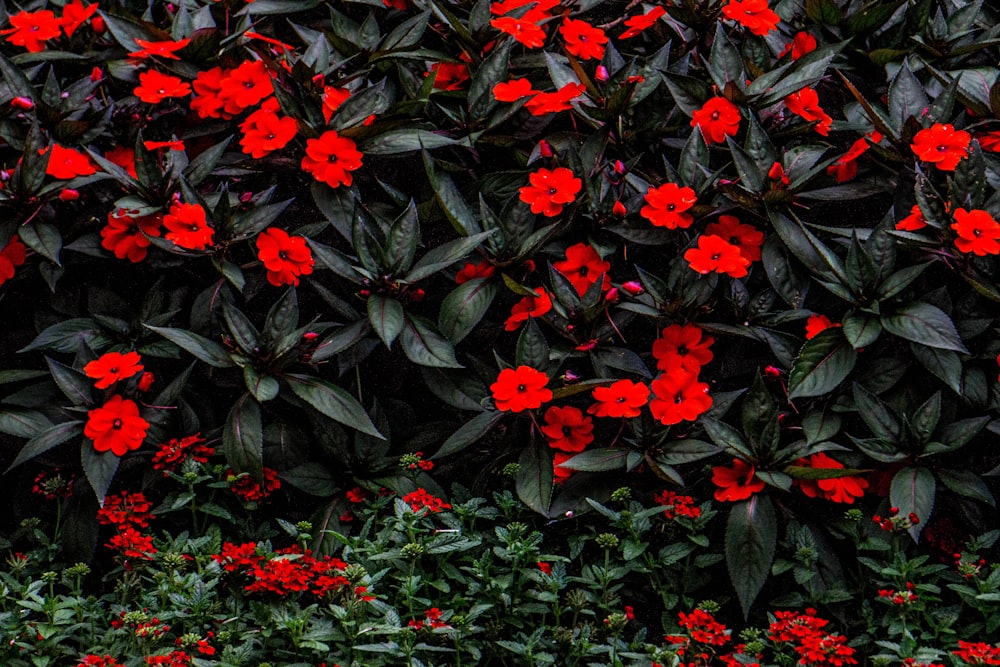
715	115
582	270
117	424
678	398
283	255
331	159
942	149
715	257
521	389
113	370
671	207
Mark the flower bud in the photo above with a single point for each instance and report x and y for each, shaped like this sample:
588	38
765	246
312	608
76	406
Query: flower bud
310	335
545	149
98	25
633	287
246	197
619	210
22	103
69	195
776	172
620	168
145	381
601	74
417	295
772	372
635	78
611	296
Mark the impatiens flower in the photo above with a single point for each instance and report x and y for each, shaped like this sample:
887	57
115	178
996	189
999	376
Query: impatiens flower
331	158
513	90
683	347
154	87
550	190
623	398
977	232
754	15
990	141
449	76
677	397
206	101
529	306
666	206
66	163
912	222
716	254
642	22
836	489
473	271
123	157
560	473
583	266
543	103
244	86
582	39
11	257
125	234
736	483
941	145
717	119
285	257
116	426
333	97
32	29
846	167
568	429
265	131
187	227
530	34
747	238
519	389
539	10
113	366
166	50
800	45
75	14
805	103
817	323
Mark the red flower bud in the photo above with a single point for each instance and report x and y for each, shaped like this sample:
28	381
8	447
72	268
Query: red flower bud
69	195
145	381
619	210
98	25
611	296
772	372
545	149
893	511
635	78
602	73
776	172
620	167
365	293
417	295
310	335
246	197
914	519
369	120
633	287
319	80
22	103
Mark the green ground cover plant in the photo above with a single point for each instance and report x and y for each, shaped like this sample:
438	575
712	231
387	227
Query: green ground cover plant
447	332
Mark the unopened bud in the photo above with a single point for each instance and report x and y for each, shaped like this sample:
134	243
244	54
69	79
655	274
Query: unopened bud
611	296
22	103
772	372
145	381
246	197
417	295
776	172
619	210
98	25
601	74
545	149
633	287
620	167
69	195
310	335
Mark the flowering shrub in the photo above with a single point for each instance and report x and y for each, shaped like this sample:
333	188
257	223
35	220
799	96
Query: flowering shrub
735	257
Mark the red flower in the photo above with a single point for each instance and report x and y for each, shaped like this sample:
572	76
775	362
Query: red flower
666	204
550	190
474	271
978	653
703	628
582	39
32	29
244	86
583	266
265	131
754	15
160	145
817	323
941	145
714	253
568	429
206	101
642	22
98	661
805	103
12	256
187	227
800	45
747	238
332	99
331	158
836	489
126	235
520	389
166	50
682	347
285	257
544	568
977	231
154	87
513	90
623	398
173	453
543	103
990	141
530	34
529	306
679	505
133	544
736	483
126	509
718	118
912	222
66	163
75	14
846	167
113	366
123	157
559	473
678	397
116	426
250	490
449	76
420	499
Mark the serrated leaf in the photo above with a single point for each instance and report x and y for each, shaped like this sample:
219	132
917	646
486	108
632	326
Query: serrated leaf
880	418
923	323
533	483
425	346
822	364
100	469
46	440
206	350
386	317
469	433
464	307
334	402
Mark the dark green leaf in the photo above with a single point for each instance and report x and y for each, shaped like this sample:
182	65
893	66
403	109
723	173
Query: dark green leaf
469	433
861	329
925	324
404	237
444	255
44	238
386	317
823	363
881	420
532	348
925	419
425	346
22	422
534	478
679	452
906	96
100	469
597	460
751	537
464	307
967	483
76	386
944	364
312	478
46	440
243	437
333	402
912	491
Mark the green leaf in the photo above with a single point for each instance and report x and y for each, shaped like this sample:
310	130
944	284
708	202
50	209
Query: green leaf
597	460
277	7
808	249
404	237
880	418
469	433
532	348
333	402
683	451
727	437
263	387
689	93
312	478
444	255
257	219
912	490
425	346
46	440
967	483
822	364
861	329
464	307
534	478
808	472
17	82
44	238
925	324
491	71
804	72
22	422
823	11
784	277
751	537
282	318
450	199
871	18
925	418
243	437
395	142
206	350
244	332
760	414
960	433
334	260
694	157
944	364
907	98
386	317
100	469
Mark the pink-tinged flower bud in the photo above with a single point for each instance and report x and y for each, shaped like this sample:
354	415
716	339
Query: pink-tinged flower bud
145	381
22	103
620	168
310	335
417	295
246	197
544	149
588	346
612	295
619	210
98	25
365	293
5	174
529	266
69	195
633	287
772	372
570	376
602	74
319	80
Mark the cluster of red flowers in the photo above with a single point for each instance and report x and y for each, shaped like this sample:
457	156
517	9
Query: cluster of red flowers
127	512
420	500
32	29
287	572
541	103
678	395
836	489
431	621
116	426
805	632
568	431
704	634
172	659
677	505
250	490
172	454
53	486
978	653
899	597
99	661
895	522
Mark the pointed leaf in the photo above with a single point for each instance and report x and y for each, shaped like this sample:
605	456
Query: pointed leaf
925	324
822	364
751	537
386	317
243	437
534	478
46	440
425	346
206	350
100	469
912	491
333	402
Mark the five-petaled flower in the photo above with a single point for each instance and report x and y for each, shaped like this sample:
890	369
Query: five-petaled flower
187	227
116	426
805	103
714	253
677	397
666	206
530	34
154	87
754	15
66	163
285	257
529	306
113	366
941	145
977	232
264	131
844	489
582	39
682	347
166	49
32	29
550	190
642	22
519	389
623	398
568	429
583	266
331	158
736	483
717	119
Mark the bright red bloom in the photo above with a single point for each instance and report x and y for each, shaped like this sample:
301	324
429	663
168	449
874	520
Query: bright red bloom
207	102
523	388
116	426
642	22
530	34
113	366
805	103
529	306
543	103
332	99
331	158
126	509
126	235
133	544
550	190
123	157
716	254
66	163
977	232
12	256
623	398
836	489
583	266
846	168
989	141
680	505
683	347
582	39
513	90
474	271
718	118
559	473
941	145
187	227
244	86
747	238
978	653
163	145
172	454
539	10
666	206
800	45
75	14
166	50
544	568
817	323
754	15
736	483
912	222
285	257
98	661
265	131
154	87
449	76
421	499
32	29
568	429
678	397
250	490
703	628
